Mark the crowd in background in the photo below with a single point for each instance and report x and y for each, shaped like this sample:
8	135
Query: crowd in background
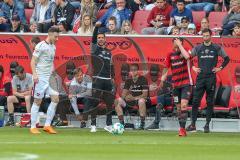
80	16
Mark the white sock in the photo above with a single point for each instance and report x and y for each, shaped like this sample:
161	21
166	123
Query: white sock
74	105
34	115
50	113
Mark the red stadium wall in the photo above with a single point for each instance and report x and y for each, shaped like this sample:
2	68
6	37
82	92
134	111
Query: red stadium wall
125	49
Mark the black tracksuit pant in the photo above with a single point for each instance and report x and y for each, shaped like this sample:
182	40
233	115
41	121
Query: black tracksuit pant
102	91
208	84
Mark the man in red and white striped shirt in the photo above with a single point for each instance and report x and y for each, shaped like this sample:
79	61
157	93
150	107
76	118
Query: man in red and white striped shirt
178	61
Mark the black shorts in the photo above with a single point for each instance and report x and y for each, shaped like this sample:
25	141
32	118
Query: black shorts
181	93
135	103
20	100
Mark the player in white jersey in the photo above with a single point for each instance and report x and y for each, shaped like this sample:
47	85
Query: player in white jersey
42	68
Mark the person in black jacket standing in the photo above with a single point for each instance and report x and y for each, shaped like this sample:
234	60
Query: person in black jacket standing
64	12
103	77
207	54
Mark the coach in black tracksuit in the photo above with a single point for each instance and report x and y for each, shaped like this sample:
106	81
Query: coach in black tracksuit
103	74
207	54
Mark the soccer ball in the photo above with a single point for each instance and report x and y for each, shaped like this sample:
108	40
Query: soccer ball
117	128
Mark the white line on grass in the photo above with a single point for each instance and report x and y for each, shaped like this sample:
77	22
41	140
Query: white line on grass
20	156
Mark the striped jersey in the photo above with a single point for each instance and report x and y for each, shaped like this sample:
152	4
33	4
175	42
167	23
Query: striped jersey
181	69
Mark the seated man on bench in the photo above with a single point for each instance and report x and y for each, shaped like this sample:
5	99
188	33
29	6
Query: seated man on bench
135	92
22	84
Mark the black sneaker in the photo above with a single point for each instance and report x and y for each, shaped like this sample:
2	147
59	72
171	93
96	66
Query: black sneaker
141	127
128	126
153	126
206	129
10	123
83	125
191	128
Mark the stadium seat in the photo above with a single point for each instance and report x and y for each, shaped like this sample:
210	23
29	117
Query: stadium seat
28	13
140	20
197	18
101	13
222	99
216	19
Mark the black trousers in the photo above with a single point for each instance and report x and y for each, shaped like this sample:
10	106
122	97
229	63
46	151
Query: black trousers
64	107
3	100
102	91
207	84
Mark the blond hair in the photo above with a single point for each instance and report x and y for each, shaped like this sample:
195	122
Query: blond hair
131	31
83	27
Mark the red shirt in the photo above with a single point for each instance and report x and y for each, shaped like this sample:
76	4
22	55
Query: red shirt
164	13
3	81
181	69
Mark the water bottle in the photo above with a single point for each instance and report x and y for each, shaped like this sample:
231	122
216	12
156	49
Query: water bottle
1	116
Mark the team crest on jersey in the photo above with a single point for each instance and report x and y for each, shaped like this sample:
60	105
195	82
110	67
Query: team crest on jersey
207	51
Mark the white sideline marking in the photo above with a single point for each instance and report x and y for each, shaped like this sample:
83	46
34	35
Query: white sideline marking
20	156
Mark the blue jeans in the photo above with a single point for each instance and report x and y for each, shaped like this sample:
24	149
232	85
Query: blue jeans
5	27
205	6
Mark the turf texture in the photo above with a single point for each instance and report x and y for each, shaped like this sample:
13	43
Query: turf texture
18	143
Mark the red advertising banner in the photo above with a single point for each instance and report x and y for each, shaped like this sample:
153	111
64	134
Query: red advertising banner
145	51
142	50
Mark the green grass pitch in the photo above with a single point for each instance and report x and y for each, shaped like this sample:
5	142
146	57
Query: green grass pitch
18	143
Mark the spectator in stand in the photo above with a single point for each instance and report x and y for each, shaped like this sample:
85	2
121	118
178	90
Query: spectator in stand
75	3
5	87
136	5
202	5
173	30
204	25
86	27
43	14
33	27
191	29
1	2
8	9
180	12
184	25
88	7
236	30
120	12
107	3
112	29
127	28
16	25
22	84
31	4
159	17
232	18
64	12
63	28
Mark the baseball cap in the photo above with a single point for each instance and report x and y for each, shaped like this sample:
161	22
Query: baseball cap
191	26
